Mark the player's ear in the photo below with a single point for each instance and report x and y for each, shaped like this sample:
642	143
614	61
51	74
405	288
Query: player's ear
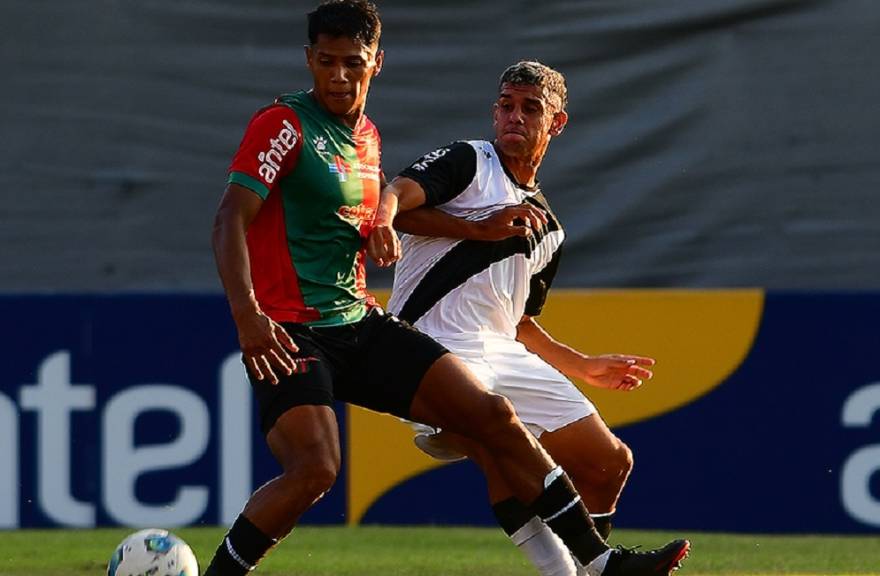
557	125
380	60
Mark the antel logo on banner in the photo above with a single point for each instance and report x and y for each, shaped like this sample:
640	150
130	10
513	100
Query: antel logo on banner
855	480
54	398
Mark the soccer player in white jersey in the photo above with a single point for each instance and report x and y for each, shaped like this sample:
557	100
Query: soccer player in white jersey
474	272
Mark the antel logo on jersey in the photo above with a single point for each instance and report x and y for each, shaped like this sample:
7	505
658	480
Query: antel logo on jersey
279	147
425	160
357	215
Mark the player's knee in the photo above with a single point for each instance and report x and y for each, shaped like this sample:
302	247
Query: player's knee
320	479
500	411
606	470
313	478
617	466
625	460
498	417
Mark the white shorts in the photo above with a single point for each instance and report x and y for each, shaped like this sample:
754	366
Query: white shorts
544	399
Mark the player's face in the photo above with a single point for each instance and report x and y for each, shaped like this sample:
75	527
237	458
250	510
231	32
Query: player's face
342	69
525	118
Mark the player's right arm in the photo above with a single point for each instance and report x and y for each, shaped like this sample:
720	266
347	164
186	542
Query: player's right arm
264	343
510	221
441	177
267	152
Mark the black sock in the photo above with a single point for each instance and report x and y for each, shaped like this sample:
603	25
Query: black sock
241	550
512	515
603	524
560	506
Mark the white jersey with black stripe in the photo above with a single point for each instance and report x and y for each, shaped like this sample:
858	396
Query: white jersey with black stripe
465	293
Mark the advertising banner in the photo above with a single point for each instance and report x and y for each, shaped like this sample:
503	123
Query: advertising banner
135	410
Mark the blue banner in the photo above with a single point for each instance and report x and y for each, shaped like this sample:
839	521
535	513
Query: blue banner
134	410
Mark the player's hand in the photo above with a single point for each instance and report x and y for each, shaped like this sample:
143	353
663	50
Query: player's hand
265	345
383	245
616	371
519	220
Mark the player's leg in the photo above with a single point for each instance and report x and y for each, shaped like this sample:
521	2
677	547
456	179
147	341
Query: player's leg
451	398
411	376
543	548
302	433
549	402
540	545
567	425
406	373
305	442
597	461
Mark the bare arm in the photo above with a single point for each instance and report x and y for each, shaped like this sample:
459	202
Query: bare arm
517	220
237	209
616	371
402	204
263	342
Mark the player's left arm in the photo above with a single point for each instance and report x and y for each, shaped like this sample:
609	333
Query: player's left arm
614	371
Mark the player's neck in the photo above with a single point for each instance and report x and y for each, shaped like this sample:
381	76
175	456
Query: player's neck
523	169
354	119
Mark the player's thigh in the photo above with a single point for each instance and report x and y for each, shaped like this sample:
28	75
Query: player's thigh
387	368
310	384
306	437
586	446
452	398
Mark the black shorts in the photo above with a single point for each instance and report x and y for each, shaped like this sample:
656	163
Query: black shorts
377	362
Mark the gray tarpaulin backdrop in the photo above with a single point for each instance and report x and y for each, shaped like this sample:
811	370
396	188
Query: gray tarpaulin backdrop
711	142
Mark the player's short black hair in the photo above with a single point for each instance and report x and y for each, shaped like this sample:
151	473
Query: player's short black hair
355	19
533	73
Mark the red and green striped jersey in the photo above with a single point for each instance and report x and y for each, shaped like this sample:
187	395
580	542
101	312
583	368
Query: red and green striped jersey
320	181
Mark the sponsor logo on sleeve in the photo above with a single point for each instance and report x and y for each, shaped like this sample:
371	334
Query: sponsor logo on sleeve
279	147
428	158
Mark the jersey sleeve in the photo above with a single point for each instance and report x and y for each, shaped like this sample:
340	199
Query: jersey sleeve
540	285
268	150
444	173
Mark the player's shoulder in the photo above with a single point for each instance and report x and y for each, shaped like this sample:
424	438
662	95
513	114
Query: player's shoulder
277	113
298	107
297	101
455	153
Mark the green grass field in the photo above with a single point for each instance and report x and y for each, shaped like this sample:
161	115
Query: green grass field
419	551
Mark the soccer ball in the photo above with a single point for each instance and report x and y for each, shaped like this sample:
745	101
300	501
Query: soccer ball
153	552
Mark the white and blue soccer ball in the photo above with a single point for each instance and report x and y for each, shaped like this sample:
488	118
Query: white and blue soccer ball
153	552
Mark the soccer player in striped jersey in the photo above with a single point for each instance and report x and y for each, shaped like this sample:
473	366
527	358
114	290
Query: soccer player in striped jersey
474	273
